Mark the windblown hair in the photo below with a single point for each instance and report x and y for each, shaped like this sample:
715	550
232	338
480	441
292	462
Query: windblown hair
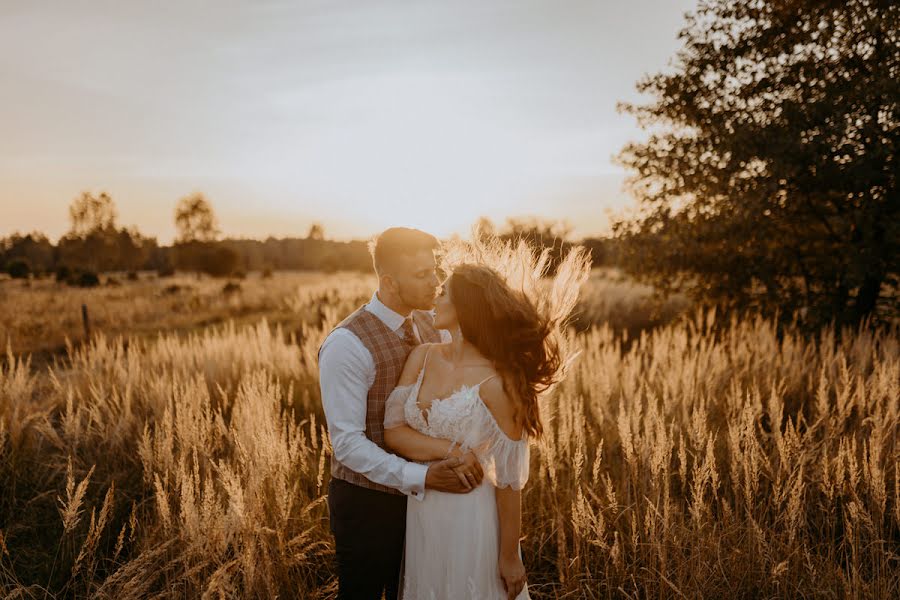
516	316
398	241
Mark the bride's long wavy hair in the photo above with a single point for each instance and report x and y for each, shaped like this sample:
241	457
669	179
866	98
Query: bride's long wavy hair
515	313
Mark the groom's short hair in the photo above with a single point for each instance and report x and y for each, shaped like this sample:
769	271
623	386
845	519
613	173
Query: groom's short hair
394	242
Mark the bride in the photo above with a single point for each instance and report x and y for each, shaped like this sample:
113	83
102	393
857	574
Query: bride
479	394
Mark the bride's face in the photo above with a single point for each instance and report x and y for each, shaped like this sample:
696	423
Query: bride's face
444	311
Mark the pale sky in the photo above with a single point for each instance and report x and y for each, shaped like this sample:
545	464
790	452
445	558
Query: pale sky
359	115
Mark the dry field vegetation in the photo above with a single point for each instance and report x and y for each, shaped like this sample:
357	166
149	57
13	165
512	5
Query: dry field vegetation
708	457
37	316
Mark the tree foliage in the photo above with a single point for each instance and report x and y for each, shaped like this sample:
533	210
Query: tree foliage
212	258
19	268
195	220
33	248
89	214
769	176
96	243
316	232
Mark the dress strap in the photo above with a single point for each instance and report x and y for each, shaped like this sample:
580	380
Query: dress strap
424	362
484	380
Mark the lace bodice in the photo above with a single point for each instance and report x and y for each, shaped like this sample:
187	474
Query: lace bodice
464	419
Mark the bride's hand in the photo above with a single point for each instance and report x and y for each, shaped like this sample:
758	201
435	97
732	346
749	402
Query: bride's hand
469	470
512	572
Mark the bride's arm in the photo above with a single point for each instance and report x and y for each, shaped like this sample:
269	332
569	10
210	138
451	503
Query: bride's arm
509	500
415	445
403	439
509	511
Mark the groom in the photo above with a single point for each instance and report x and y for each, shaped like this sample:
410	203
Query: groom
359	365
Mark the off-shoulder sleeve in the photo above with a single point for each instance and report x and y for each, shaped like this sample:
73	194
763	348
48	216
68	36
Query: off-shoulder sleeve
394	408
505	461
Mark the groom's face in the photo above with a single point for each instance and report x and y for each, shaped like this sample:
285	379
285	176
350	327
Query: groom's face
415	281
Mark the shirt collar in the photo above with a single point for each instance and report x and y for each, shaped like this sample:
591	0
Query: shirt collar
390	318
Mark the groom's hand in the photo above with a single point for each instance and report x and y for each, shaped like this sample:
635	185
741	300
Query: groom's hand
470	471
456	475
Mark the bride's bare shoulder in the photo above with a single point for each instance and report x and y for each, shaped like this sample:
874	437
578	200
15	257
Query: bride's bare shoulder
502	406
414	363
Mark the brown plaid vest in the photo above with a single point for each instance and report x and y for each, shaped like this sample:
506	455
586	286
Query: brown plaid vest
389	353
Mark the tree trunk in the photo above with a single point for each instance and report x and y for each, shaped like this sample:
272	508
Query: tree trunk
867	297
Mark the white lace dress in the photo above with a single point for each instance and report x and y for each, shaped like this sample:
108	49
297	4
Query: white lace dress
452	540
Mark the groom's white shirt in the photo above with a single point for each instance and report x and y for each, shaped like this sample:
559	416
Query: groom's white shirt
346	372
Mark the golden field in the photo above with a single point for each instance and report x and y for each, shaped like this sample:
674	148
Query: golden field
182	454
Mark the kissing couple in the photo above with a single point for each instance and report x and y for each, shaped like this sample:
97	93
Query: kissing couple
430	391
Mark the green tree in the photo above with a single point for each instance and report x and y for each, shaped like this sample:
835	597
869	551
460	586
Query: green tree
212	258
195	242
94	241
195	220
316	232
34	248
133	251
89	214
769	177
19	268
91	240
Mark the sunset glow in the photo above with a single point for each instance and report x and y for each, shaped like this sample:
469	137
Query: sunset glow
359	117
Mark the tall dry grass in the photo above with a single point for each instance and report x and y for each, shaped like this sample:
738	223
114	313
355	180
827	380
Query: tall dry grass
711	458
628	307
723	464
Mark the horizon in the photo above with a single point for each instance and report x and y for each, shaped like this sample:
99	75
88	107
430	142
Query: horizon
501	228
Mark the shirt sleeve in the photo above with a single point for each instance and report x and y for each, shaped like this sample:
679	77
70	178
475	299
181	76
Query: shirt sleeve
346	370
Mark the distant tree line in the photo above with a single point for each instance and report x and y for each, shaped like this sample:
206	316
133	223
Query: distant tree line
95	244
554	236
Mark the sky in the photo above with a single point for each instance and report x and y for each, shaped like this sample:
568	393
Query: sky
359	115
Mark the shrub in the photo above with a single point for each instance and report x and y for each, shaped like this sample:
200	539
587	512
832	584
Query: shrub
86	279
63	273
18	268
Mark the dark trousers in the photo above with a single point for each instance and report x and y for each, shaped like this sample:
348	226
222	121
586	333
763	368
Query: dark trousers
369	530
